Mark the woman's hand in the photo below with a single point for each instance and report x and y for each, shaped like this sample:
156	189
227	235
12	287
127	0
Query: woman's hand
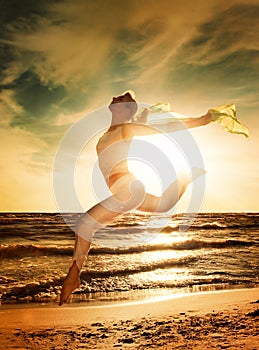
142	119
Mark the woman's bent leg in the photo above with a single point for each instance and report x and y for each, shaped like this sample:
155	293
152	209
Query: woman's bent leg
167	200
171	195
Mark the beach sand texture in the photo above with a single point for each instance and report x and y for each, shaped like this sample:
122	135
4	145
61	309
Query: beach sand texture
211	320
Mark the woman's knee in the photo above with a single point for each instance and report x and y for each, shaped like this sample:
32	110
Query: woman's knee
133	197
86	226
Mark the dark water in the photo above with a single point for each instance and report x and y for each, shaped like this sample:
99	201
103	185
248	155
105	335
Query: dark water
219	250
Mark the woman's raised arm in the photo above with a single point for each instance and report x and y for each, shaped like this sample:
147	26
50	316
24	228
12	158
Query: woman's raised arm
130	130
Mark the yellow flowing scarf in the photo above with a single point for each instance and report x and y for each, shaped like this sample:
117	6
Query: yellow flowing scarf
224	115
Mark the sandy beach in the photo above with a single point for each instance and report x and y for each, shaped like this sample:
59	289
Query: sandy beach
210	320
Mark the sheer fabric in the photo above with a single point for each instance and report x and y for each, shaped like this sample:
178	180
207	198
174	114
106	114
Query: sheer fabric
225	115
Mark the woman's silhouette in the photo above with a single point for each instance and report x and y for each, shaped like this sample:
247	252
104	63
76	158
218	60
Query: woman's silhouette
127	193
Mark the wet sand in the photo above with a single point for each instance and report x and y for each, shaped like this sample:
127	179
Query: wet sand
211	320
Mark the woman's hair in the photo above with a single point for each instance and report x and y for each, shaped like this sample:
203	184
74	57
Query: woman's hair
133	104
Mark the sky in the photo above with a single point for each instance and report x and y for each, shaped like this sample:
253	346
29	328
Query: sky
63	59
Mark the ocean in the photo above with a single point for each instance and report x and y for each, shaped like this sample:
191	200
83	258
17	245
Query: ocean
130	259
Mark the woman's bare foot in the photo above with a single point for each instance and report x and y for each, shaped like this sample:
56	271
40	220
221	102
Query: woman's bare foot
71	282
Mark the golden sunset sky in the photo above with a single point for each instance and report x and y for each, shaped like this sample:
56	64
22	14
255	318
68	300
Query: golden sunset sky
63	59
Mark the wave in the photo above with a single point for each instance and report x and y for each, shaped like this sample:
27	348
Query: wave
219	226
209	226
118	280
205	226
18	250
192	244
150	266
36	287
173	228
178	227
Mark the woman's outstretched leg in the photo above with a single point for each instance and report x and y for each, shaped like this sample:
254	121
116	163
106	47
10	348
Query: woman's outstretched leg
129	195
72	280
85	228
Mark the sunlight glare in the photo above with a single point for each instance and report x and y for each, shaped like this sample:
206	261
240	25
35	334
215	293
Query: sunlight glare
157	174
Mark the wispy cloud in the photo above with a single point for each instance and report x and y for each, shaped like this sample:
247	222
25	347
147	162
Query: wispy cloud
233	30
90	48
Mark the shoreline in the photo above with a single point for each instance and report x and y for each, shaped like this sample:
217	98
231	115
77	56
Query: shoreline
204	320
73	314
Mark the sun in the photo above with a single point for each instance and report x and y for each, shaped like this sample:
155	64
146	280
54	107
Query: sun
157	161
147	175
